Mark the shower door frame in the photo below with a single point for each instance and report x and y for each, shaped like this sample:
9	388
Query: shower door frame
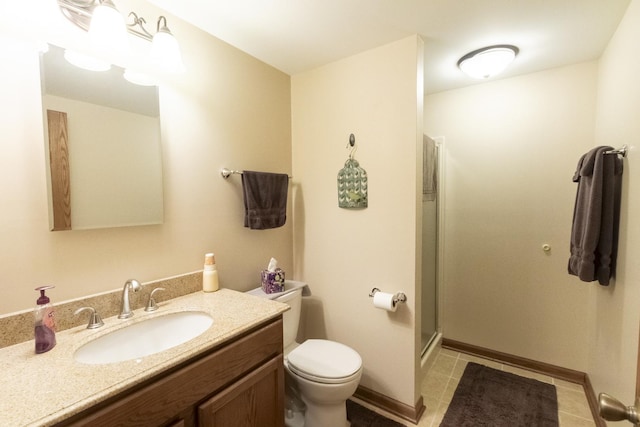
440	218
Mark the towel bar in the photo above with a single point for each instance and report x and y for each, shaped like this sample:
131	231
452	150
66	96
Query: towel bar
622	151
226	173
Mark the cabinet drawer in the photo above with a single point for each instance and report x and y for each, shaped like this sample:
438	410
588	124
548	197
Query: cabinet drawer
167	395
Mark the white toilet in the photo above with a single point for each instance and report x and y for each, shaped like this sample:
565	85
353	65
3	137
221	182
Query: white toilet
324	373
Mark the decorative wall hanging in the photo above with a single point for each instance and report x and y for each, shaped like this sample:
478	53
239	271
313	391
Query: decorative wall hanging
352	181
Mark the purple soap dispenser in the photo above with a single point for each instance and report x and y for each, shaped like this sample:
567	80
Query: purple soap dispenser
45	325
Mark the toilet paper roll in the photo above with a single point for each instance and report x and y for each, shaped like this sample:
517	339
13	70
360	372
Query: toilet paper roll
384	301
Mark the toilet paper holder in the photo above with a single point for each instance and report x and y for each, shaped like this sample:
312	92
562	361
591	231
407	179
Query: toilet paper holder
398	297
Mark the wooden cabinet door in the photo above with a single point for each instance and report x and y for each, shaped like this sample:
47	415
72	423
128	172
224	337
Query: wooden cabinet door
256	400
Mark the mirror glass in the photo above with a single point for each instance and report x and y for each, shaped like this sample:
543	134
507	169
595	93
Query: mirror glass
102	139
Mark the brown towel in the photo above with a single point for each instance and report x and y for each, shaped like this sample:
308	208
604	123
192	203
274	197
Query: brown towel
594	233
265	199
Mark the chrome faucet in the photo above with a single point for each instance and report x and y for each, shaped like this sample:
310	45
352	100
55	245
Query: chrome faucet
134	285
151	304
95	321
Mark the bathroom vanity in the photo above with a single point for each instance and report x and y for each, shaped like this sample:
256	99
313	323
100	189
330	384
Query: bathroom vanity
239	383
232	374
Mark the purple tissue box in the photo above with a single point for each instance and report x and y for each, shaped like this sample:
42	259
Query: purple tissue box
272	282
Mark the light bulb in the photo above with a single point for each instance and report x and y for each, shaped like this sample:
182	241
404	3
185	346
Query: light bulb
165	51
108	31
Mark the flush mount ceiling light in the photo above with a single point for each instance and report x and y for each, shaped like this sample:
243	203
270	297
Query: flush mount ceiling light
108	31
488	61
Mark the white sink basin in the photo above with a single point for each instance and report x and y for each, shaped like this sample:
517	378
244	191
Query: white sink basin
144	338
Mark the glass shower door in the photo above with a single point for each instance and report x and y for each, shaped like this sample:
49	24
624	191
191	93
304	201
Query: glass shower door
428	327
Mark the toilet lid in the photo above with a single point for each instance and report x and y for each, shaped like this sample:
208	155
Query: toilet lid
324	360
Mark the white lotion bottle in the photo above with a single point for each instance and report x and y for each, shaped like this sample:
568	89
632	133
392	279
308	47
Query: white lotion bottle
210	274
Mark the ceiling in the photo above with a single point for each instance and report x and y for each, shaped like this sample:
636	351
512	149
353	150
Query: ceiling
295	36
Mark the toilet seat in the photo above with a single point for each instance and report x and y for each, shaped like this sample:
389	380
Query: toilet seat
324	361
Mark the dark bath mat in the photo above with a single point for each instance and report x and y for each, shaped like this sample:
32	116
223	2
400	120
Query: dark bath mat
488	397
359	416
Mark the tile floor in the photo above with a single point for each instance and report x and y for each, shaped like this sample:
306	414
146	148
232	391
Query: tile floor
443	376
442	379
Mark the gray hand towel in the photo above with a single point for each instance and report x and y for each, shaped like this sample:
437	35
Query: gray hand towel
265	199
594	233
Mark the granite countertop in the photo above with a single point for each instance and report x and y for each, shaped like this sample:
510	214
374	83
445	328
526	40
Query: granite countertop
43	389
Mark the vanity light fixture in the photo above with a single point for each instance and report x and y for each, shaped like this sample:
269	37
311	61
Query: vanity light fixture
165	51
108	30
488	61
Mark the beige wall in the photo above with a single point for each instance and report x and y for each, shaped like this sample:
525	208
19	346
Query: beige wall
341	253
616	310
227	110
511	149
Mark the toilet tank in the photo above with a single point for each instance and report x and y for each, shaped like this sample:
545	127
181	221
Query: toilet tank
291	318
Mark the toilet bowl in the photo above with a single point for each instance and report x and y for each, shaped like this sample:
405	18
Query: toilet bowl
324	373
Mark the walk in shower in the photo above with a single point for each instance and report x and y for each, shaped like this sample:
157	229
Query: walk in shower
431	224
